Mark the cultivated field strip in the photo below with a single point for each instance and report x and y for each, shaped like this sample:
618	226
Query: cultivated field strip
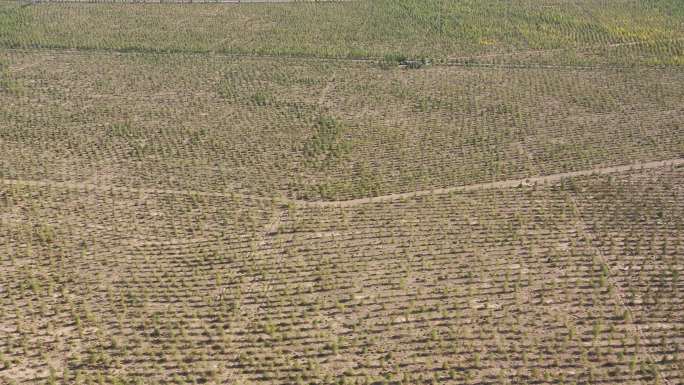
548	32
332	130
571	281
368	192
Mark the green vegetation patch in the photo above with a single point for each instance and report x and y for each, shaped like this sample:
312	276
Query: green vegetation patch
390	29
327	143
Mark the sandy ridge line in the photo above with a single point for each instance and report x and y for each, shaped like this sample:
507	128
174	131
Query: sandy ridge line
355	202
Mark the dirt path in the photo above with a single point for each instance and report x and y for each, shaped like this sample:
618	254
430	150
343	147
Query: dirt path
355	202
212	52
499	184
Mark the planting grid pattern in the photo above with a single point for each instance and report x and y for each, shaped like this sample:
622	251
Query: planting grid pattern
185	193
562	283
584	32
321	130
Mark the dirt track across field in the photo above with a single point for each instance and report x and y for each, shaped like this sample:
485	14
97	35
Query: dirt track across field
355	202
503	183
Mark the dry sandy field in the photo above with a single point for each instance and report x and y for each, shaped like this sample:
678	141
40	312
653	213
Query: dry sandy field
368	192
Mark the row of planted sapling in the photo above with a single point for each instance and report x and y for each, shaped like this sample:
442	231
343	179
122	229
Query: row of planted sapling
461	284
523	33
321	130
